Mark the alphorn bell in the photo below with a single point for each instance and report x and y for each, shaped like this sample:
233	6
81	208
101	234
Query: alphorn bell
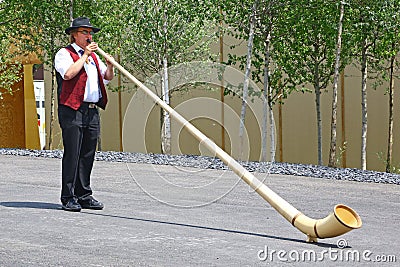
340	221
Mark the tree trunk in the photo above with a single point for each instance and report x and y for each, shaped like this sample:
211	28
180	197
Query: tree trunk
71	11
52	108
266	93
246	78
317	91
272	134
166	126
280	130
53	94
364	72
390	130
332	152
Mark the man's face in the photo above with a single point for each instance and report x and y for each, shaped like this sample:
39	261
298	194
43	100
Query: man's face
81	35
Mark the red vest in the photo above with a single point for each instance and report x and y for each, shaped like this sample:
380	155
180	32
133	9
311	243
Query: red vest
72	91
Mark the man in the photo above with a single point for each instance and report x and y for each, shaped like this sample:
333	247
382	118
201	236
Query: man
81	78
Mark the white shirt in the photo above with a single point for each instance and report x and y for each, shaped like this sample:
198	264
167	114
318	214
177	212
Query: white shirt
63	61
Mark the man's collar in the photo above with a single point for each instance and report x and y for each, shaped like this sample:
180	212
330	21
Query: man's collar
76	47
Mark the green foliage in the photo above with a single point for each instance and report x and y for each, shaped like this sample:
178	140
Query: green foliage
339	156
135	32
392	168
385	40
307	47
303	33
300	29
10	13
9	69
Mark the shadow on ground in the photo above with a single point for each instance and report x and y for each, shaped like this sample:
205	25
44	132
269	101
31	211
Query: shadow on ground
31	205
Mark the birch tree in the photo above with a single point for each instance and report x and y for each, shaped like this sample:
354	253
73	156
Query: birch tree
392	67
241	18
271	29
392	44
166	32
166	126
311	49
267	18
367	32
252	25
384	63
332	152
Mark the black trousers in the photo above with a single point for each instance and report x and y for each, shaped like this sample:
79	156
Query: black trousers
80	131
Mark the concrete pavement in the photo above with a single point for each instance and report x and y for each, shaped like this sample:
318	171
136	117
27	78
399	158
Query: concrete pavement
159	215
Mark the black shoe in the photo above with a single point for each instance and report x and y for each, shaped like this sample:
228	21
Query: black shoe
91	203
71	205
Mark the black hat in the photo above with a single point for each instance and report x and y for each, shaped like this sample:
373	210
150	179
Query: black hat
81	22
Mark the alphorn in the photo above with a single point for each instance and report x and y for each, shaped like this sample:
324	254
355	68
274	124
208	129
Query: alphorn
342	220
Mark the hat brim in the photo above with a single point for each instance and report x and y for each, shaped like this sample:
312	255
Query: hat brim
69	29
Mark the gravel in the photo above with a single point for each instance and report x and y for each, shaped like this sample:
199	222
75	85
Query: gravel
350	174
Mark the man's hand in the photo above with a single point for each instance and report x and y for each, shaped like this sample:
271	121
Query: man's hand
107	61
90	48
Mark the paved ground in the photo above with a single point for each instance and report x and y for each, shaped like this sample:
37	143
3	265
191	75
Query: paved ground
169	216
